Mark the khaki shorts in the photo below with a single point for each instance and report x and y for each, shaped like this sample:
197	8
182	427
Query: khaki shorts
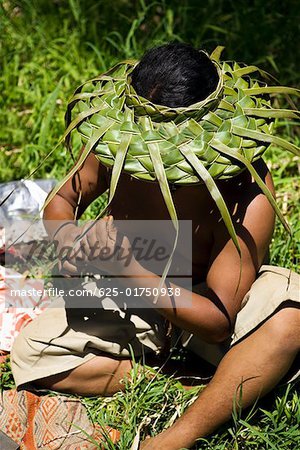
61	339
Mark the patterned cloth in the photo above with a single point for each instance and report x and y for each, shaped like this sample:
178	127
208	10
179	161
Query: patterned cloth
17	312
49	423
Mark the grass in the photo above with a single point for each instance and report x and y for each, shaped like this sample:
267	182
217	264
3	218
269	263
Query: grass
47	48
158	406
152	402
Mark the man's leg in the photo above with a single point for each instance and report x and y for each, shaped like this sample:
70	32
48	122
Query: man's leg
100	376
259	363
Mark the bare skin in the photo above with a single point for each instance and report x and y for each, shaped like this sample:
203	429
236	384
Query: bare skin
257	371
213	254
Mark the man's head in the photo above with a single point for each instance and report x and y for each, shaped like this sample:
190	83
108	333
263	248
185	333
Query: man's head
175	75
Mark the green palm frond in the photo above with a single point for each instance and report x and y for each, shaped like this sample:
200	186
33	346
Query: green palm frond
216	138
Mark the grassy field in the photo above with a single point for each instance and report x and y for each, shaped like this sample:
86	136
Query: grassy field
47	48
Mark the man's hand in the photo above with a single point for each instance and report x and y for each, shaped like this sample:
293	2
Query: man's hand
64	239
96	244
101	246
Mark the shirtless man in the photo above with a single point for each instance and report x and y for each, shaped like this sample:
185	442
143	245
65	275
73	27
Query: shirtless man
260	360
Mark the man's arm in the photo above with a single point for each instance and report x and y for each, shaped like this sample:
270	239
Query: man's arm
68	205
77	193
254	233
211	315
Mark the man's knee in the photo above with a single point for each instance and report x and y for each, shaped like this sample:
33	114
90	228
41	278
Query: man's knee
284	328
60	382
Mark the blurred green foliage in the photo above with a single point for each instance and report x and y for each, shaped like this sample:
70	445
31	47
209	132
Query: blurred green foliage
49	47
262	32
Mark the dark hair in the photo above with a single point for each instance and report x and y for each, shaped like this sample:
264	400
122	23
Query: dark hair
175	75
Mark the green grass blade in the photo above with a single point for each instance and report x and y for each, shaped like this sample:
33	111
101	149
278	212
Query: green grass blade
32	172
260	434
45	127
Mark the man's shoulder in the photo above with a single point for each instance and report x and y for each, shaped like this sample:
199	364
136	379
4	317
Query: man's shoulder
242	191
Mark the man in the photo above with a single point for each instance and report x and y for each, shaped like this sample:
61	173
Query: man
61	351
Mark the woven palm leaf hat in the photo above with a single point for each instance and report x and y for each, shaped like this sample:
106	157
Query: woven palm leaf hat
216	138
